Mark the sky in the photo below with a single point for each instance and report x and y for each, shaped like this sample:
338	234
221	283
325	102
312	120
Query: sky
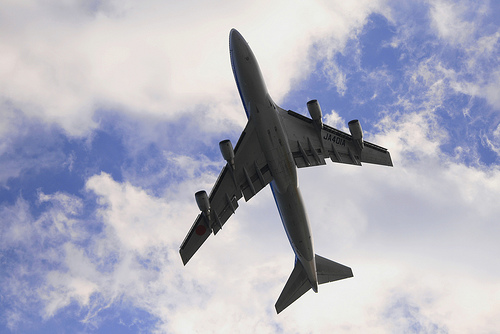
111	114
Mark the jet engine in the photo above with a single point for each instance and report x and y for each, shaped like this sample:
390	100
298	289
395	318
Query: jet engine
315	112
357	133
202	201
226	148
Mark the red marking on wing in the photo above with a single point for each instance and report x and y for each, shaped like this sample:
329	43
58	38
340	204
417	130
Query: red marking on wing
200	230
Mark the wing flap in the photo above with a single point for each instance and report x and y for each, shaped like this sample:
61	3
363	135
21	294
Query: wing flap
254	182
374	154
311	145
220	217
224	198
250	174
311	155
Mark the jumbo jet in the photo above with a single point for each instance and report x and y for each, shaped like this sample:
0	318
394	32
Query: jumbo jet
274	143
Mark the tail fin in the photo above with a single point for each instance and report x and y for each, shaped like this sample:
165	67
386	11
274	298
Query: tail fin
298	284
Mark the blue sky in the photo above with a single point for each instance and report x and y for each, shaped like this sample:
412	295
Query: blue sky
111	116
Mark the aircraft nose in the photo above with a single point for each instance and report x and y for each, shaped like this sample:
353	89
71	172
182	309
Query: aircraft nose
236	41
233	34
233	31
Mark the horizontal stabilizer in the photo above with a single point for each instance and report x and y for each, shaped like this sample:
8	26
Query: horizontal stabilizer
329	271
296	286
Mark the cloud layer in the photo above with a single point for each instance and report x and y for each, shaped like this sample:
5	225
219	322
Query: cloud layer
111	112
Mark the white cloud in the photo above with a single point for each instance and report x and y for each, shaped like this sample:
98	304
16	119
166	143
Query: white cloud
75	282
419	236
62	63
448	79
333	119
494	142
459	24
132	214
449	19
426	225
19	153
401	229
16	226
30	246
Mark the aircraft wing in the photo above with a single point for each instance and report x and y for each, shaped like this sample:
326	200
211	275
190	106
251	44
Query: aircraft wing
250	174
311	145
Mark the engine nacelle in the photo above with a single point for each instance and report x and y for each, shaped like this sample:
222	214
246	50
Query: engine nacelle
356	133
315	112
202	201
226	148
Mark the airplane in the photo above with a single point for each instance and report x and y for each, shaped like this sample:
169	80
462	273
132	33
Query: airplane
274	143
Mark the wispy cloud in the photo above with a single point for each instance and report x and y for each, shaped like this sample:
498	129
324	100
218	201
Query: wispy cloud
153	81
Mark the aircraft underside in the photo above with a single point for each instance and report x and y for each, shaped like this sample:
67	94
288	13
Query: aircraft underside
274	143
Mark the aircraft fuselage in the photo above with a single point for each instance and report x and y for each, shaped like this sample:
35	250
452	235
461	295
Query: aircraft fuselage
273	141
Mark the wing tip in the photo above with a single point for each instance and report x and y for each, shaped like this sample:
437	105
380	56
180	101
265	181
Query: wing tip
184	258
